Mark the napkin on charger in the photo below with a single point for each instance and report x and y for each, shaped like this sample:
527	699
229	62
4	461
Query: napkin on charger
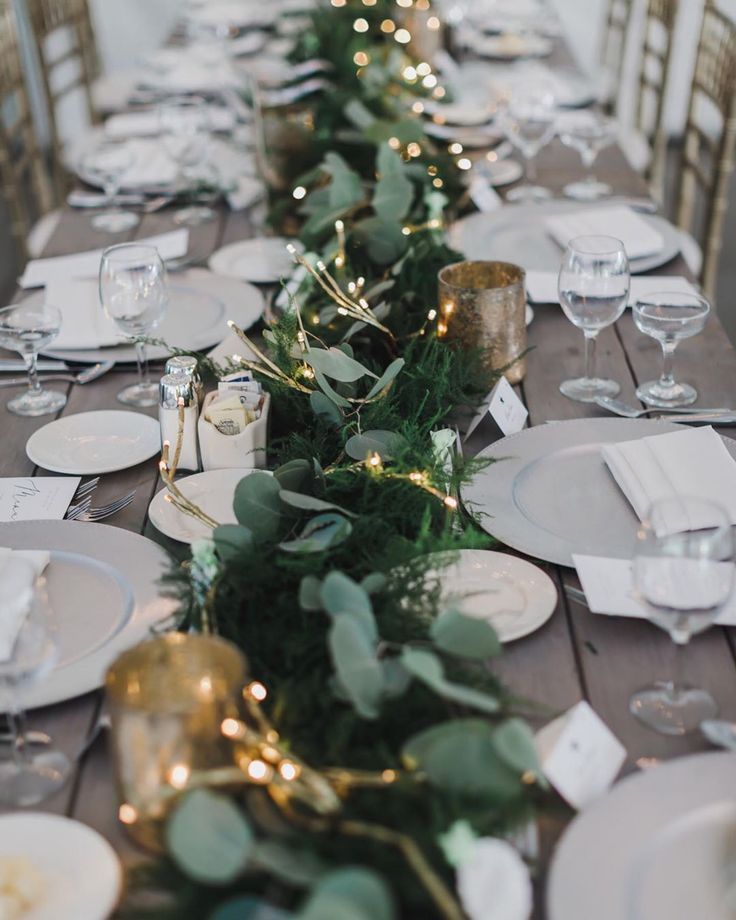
17	580
693	463
639	237
541	287
148	123
84	324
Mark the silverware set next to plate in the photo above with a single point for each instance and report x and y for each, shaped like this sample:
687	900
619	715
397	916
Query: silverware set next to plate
81	507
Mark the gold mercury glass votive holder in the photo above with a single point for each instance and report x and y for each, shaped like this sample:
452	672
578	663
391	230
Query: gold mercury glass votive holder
483	305
168	699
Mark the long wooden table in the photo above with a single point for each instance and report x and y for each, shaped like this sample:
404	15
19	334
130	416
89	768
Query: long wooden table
575	655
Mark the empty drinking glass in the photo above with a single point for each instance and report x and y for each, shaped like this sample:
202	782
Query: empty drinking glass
669	318
133	293
528	120
593	287
185	129
588	133
684	579
26	778
105	165
29	329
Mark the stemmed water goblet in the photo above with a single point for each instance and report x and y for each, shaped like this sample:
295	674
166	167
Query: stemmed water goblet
669	318
528	119
26	778
593	288
133	294
683	579
588	133
28	330
106	164
185	131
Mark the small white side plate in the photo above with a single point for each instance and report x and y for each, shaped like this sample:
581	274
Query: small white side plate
82	874
93	443
262	260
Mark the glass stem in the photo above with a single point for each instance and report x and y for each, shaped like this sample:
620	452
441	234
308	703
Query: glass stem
31	365
677	682
531	169
668	361
111	194
590	354
142	358
17	729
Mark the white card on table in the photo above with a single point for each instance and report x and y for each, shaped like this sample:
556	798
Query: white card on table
504	407
484	196
580	755
36	498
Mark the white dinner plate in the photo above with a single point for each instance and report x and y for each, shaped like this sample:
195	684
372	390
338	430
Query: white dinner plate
212	491
467	112
511	46
550	495
482	137
518	234
103	587
657	839
81	874
513	595
93	443
200	305
502	172
264	260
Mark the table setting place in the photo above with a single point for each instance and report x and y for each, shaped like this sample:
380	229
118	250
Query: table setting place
368	512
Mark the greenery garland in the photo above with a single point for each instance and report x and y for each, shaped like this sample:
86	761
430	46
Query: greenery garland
328	581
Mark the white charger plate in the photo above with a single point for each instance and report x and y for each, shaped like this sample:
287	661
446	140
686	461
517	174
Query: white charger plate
599	861
511	47
103	586
93	443
212	491
513	595
82	874
184	326
263	260
480	137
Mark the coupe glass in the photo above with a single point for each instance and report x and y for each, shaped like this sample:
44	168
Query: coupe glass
588	133
684	579
593	288
106	164
133	294
528	119
185	131
27	778
669	318
28	330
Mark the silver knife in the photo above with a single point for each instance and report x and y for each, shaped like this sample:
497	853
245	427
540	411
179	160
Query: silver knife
15	367
705	419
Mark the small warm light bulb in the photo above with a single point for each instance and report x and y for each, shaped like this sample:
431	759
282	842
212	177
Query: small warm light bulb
361	25
423	69
375	460
256	691
455	148
232	728
394	143
430	81
288	770
464	163
361	59
418	107
433	24
437	183
406	231
402	36
299	192
127	814
413	149
179	775
389	776
258	770
388	26
432	315
451	502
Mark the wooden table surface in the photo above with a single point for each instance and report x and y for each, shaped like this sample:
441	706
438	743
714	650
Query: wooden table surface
575	655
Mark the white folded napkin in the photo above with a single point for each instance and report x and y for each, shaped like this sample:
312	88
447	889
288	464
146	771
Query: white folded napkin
693	463
151	167
84	323
40	272
638	236
148	123
541	287
194	76
17	580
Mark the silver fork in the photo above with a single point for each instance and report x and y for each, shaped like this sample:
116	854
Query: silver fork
104	511
85	488
74	511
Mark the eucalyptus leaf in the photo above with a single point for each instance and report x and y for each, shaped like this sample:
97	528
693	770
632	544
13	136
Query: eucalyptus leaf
309	503
209	838
334	363
232	540
383	239
358	114
320	534
352	893
249	908
329	391
356	665
393	192
340	594
325	409
396	679
296	867
385	443
310	596
295	475
346	188
514	744
374	583
465	637
320	222
427	667
388	376
257	505
406	131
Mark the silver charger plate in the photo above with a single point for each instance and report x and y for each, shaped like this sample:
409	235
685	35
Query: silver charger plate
598	865
103	585
550	495
517	234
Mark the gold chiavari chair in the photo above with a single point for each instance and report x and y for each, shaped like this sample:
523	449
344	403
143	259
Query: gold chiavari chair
26	185
709	144
612	52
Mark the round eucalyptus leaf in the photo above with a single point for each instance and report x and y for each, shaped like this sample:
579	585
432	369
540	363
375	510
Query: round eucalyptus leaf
464	636
427	667
334	363
514	744
258	506
209	838
295	867
385	443
388	376
350	894
232	541
321	533
358	669
382	238
249	908
295	475
325	409
309	593
310	503
374	583
340	594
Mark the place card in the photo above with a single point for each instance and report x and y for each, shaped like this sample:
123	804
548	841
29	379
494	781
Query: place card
503	406
484	196
609	589
36	498
580	755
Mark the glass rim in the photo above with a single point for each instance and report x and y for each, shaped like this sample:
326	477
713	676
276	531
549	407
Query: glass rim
695	298
110	252
615	245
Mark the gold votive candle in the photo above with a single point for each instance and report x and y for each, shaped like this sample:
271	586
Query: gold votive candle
168	699
483	305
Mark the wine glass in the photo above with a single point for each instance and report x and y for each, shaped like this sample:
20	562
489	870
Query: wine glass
684	579
669	318
106	164
28	330
27	778
593	287
185	131
133	294
588	133
528	119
